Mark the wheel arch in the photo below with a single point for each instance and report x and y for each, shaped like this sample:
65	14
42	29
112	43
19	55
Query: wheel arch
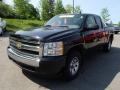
78	48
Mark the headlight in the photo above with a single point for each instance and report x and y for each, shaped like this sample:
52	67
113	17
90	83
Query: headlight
53	49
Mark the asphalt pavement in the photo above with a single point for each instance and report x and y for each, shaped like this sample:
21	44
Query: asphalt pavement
101	71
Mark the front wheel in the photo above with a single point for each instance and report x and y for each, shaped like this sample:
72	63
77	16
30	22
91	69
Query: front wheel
72	67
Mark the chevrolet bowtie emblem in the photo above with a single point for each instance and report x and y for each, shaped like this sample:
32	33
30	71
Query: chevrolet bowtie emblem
18	45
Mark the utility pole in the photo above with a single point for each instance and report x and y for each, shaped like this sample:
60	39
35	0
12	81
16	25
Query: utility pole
73	6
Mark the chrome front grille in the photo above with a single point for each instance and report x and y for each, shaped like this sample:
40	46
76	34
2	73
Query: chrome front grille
26	45
21	45
23	53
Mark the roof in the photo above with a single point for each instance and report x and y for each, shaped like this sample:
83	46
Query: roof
86	14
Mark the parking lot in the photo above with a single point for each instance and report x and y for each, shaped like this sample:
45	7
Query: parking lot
100	71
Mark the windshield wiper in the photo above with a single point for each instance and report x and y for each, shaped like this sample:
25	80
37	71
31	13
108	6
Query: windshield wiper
62	26
55	26
47	26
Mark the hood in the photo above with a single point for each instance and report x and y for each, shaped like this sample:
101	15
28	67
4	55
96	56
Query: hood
47	33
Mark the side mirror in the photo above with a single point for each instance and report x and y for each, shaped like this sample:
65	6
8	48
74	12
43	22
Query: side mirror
92	27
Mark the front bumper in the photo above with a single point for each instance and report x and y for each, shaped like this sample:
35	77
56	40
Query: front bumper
27	59
42	65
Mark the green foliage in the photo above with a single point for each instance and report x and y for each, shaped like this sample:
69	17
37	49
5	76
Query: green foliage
51	8
69	9
6	10
24	10
18	24
20	8
77	9
59	8
105	15
33	12
46	10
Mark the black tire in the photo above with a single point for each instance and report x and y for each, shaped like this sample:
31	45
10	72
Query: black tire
74	58
116	32
107	46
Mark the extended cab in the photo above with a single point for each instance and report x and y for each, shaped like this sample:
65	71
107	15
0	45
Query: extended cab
57	47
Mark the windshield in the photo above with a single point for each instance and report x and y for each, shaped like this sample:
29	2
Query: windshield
70	21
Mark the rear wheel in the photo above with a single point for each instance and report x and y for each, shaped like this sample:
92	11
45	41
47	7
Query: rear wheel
72	67
107	46
116	32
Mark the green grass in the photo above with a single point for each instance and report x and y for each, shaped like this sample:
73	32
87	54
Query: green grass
18	24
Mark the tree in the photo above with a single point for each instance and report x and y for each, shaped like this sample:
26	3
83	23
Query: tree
24	10
105	15
69	9
51	8
46	10
20	8
33	13
59	8
77	9
6	11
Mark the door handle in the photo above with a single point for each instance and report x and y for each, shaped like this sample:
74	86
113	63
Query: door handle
96	39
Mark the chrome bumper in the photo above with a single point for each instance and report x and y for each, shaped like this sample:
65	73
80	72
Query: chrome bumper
24	58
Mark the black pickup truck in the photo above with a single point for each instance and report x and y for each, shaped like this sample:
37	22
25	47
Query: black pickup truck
57	47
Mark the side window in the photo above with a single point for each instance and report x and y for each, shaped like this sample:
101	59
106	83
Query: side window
99	22
90	21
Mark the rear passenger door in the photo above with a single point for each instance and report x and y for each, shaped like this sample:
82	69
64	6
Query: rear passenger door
101	32
90	36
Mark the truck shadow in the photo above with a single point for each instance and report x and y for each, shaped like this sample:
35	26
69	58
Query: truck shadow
98	72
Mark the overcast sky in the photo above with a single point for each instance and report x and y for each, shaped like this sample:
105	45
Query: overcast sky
90	6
